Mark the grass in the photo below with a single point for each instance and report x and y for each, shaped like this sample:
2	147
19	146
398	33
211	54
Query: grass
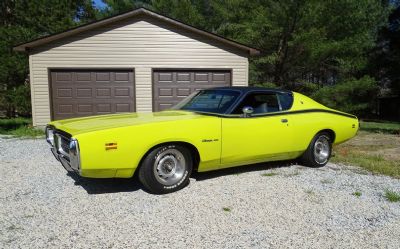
392	196
374	163
382	127
327	181
357	193
19	127
269	174
375	152
310	192
226	209
294	173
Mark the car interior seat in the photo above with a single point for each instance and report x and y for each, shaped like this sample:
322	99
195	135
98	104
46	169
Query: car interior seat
262	108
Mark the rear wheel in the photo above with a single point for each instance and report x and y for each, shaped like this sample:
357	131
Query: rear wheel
319	151
166	169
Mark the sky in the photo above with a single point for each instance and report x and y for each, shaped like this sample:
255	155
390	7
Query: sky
99	4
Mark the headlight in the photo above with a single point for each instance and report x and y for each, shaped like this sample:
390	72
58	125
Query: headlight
73	147
74	156
50	136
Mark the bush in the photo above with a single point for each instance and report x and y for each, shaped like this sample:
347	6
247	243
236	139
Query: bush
22	100
352	96
16	101
266	84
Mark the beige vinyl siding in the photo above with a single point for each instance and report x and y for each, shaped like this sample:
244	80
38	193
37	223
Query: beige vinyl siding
137	45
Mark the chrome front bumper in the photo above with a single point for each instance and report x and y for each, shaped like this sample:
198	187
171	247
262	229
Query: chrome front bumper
61	149
63	160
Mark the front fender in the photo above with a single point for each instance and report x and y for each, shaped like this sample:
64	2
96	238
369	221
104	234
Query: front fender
130	145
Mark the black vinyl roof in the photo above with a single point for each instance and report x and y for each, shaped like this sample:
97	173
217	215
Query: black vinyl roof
246	89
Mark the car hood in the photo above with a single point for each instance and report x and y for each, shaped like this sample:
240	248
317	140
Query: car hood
94	123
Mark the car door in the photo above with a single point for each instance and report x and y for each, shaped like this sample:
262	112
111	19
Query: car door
265	135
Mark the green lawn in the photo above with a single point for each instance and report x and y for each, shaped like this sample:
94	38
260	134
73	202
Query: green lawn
376	148
383	127
19	127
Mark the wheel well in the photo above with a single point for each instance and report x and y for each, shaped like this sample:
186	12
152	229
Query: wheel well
331	133
193	150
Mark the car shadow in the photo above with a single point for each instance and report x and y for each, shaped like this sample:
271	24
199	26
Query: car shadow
95	186
116	185
201	176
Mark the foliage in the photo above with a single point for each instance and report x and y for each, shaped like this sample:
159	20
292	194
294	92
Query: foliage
13	123
307	45
24	20
372	152
391	195
353	96
320	41
384	59
269	174
19	127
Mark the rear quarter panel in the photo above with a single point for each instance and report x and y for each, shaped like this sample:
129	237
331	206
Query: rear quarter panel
307	124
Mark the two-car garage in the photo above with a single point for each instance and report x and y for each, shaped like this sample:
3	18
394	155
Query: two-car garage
76	93
139	61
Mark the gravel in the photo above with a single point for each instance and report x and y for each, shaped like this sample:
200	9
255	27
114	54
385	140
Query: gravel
41	206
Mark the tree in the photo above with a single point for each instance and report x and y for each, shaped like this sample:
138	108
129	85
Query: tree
317	41
24	20
384	62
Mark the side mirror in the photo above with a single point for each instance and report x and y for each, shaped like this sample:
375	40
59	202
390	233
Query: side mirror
247	111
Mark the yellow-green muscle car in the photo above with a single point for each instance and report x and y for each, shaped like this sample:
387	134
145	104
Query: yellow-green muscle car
210	129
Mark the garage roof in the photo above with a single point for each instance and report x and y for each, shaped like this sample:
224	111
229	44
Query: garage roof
141	12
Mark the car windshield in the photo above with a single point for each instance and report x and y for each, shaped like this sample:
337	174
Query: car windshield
213	101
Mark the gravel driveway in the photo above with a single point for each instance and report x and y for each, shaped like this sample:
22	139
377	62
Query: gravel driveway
264	206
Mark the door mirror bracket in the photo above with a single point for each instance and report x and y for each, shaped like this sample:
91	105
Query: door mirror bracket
247	111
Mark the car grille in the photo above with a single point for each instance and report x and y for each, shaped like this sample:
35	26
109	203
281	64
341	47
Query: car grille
62	144
65	145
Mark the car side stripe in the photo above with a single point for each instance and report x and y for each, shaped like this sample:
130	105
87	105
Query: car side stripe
280	113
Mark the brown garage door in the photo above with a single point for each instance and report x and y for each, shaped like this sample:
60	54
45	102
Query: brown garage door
170	87
77	93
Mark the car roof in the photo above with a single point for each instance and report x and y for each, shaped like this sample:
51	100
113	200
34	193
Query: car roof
246	89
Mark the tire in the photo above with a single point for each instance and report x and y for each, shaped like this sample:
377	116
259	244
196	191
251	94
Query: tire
319	151
166	169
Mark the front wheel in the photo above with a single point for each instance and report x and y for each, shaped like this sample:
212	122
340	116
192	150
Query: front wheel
319	151
166	169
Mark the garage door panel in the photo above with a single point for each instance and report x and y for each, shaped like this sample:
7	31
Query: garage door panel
170	87
122	77
182	92
165	77
63	76
65	108
122	92
103	108
183	77
103	76
84	93
83	76
89	92
64	93
85	108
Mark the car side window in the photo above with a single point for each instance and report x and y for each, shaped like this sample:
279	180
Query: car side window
261	103
285	100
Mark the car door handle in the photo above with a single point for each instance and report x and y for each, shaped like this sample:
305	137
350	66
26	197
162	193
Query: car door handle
284	120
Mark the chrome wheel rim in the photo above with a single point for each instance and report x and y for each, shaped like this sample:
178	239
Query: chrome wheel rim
322	149
169	167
